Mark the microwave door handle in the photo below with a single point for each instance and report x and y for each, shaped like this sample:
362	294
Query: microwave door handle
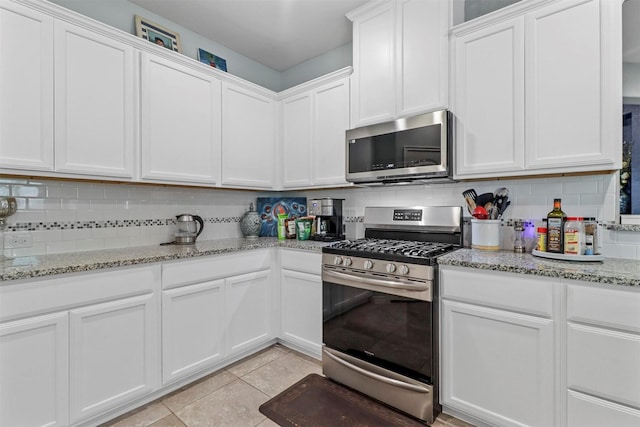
381	378
396	284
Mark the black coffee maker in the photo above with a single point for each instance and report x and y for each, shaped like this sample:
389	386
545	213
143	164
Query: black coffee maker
327	225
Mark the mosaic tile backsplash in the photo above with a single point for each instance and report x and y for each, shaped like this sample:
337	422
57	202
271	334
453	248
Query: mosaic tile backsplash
70	216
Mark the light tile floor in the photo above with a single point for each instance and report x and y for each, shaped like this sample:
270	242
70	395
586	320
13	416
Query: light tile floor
232	396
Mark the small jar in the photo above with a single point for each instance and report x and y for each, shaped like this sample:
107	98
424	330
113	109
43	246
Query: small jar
541	239
574	236
591	229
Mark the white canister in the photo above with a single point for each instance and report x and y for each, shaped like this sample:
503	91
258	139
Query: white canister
485	234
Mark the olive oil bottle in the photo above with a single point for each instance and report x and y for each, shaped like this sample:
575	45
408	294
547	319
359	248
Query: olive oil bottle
555	228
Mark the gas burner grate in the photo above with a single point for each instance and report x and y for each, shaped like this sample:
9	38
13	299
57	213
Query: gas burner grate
405	248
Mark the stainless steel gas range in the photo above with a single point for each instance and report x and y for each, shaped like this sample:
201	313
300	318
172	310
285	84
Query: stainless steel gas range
380	306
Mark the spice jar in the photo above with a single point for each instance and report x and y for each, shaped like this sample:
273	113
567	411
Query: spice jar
541	239
591	235
574	236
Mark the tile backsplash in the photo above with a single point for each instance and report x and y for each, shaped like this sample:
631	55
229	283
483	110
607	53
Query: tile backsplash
69	216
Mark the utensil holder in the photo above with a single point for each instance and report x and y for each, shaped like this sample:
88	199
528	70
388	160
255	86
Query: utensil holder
485	234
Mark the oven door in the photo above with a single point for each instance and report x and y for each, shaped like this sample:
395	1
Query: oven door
379	327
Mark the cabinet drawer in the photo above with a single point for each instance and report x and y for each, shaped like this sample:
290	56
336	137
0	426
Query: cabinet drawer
516	292
181	272
587	411
604	363
307	262
43	296
617	308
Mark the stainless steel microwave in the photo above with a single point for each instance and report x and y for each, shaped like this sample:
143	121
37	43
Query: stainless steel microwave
404	150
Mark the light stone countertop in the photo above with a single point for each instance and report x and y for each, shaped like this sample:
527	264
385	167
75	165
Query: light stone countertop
26	267
614	271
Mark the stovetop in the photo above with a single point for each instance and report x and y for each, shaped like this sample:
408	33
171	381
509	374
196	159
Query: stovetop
392	250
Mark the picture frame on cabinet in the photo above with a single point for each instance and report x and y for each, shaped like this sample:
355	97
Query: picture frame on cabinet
157	34
212	60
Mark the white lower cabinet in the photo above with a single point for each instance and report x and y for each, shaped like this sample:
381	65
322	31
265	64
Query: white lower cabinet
249	310
603	354
34	371
497	365
509	357
114	354
497	347
214	308
74	347
301	301
301	308
192	328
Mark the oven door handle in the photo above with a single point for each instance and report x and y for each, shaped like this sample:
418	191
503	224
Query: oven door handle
378	377
396	284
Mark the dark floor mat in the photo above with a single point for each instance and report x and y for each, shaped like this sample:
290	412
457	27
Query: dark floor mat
316	401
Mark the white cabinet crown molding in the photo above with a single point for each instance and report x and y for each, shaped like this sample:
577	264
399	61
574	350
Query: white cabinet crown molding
512	11
318	81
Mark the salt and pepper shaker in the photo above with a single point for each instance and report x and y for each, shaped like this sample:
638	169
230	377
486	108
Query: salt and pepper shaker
518	240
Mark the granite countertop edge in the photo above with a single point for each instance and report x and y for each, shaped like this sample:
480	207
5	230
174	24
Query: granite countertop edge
613	271
42	266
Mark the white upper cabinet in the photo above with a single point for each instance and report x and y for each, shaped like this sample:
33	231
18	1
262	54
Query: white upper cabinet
489	97
566	101
400	59
94	103
180	123
297	140
561	115
26	89
249	120
314	120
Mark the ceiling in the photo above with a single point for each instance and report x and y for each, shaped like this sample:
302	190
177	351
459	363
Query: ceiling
631	31
276	33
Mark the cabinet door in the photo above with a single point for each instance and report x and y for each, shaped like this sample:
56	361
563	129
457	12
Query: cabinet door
489	100
180	123
497	365
34	371
331	120
422	64
301	308
248	310
587	411
297	141
248	138
192	328
115	354
94	101
26	88
565	95
373	87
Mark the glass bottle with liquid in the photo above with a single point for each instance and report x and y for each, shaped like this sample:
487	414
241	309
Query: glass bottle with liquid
555	228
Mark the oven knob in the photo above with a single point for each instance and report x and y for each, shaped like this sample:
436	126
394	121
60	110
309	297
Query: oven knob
368	264
337	260
404	269
391	268
347	262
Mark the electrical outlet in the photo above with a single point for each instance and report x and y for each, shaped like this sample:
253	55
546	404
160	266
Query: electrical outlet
15	241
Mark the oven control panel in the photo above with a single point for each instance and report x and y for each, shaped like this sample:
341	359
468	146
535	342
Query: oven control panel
407	214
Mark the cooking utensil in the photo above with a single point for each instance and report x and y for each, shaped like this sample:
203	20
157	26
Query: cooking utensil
470	198
500	198
504	207
480	213
484	198
470	193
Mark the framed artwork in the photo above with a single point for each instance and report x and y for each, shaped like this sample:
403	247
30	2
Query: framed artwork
157	34
210	59
270	207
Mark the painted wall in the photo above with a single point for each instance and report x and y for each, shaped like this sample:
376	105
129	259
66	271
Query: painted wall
320	65
65	216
